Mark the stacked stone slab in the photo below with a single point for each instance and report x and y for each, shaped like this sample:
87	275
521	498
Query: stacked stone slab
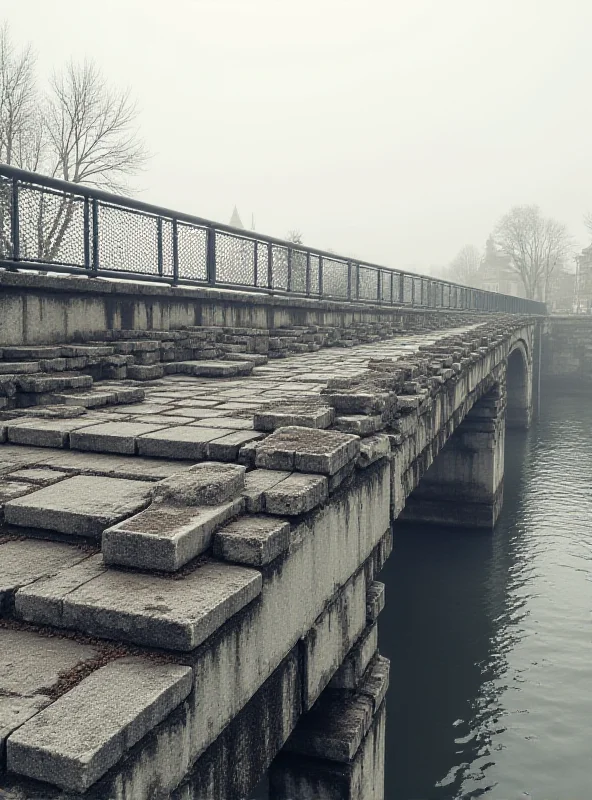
235	571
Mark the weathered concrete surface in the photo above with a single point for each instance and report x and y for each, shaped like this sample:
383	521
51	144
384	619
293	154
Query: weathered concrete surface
313	582
30	669
166	537
42	309
24	562
81	506
76	739
141	608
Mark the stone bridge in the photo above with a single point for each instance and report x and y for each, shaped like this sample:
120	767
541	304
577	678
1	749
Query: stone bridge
197	494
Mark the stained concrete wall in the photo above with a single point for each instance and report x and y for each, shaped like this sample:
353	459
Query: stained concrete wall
38	309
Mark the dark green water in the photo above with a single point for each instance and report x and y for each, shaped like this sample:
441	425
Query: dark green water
490	636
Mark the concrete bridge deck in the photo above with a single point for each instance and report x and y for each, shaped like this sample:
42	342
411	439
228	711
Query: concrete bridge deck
188	582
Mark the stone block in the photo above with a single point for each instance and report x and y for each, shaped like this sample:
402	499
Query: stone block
372	449
182	442
215	369
375	600
145	372
282	416
256	483
335	728
25	561
351	672
30	667
38	477
359	424
81	506
55	382
296	494
208	483
80	736
227	447
165	537
30	352
254	540
331	637
141	608
111	437
46	432
307	450
19	367
359	402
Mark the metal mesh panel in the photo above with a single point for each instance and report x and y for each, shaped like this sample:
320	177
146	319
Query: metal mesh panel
407	290
334	277
262	258
298	272
368	283
51	227
446	296
127	240
314	274
385	288
5	221
235	260
192	247
280	266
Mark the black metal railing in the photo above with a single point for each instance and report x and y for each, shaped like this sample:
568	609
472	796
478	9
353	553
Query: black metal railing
48	224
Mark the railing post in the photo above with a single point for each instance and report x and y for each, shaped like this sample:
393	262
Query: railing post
392	288
255	263
349	280
269	265
402	289
176	253
320	276
307	272
289	279
14	221
86	208
95	235
211	256
379	286
357	282
159	246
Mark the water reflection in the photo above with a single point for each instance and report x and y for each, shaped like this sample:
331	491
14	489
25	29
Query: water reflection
488	636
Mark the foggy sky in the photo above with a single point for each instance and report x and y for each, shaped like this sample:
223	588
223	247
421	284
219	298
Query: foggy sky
393	130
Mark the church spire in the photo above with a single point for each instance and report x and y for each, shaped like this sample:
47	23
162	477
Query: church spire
235	219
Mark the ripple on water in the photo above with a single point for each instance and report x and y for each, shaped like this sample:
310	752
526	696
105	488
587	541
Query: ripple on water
490	637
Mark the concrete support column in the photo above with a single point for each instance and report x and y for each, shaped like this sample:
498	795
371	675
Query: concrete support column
337	749
464	485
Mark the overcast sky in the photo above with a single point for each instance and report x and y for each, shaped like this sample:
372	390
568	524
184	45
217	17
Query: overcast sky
394	130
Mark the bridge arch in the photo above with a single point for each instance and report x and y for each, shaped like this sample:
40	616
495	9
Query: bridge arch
519	386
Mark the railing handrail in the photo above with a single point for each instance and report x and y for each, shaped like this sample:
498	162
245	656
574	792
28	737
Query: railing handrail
160	212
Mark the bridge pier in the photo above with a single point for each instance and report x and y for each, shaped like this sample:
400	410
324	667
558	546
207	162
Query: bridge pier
337	750
464	485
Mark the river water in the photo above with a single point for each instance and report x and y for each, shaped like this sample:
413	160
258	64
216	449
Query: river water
490	635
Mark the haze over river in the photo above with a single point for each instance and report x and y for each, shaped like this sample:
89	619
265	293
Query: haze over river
490	636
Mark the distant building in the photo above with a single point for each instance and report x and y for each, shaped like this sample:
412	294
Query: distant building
583	293
495	273
235	219
562	291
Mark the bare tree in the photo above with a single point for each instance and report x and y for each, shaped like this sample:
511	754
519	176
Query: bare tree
535	245
19	118
91	129
465	265
294	236
82	130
